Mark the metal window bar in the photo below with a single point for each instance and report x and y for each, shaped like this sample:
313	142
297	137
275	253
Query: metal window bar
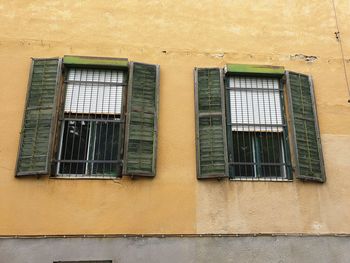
258	129
91	121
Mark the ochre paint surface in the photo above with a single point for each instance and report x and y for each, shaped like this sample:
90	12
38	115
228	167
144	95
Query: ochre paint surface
178	35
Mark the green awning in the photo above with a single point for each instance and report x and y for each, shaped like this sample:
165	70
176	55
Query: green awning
95	61
254	69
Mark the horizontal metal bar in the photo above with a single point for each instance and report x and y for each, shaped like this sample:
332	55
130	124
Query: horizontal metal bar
257	125
88	161
85	177
91	120
78	82
254	89
255	163
261	179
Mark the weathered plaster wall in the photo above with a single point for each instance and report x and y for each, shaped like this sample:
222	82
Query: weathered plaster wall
178	35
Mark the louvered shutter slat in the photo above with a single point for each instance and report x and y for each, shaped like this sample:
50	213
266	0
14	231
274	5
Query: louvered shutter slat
306	136
34	149
210	124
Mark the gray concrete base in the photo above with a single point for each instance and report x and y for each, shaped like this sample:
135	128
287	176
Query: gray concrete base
280	249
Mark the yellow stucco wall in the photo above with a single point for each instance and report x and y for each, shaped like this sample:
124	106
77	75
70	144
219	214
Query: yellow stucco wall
178	35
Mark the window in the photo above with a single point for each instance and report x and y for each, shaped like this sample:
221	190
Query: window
256	129
90	117
241	124
90	134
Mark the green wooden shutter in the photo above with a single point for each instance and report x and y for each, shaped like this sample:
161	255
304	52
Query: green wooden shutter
141	120
211	145
35	143
306	135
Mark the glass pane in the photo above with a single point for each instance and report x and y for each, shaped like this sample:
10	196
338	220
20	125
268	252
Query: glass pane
243	154
74	146
271	154
106	147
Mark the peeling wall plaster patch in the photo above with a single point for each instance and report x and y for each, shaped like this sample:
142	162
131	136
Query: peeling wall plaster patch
303	57
317	226
220	55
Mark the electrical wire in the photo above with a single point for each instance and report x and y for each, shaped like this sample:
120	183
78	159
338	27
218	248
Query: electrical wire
337	35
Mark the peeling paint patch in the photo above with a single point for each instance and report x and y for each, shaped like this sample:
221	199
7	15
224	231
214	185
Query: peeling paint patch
303	57
218	55
318	226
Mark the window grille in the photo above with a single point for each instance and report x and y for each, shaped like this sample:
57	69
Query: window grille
91	123
257	130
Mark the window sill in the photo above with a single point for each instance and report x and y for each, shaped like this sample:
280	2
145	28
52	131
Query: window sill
66	177
261	179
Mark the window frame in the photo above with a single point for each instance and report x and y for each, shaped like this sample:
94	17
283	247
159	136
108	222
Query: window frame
285	142
59	122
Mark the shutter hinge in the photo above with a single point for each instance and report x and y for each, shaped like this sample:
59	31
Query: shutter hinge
284	79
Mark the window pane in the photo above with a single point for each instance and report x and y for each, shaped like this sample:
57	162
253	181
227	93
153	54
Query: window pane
243	154
106	147
271	154
74	147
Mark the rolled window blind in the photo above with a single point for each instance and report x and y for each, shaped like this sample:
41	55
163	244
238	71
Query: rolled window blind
255	104
95	91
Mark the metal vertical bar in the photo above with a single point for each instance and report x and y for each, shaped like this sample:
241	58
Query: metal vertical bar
121	127
110	115
81	130
270	167
285	144
236	132
98	126
277	132
249	133
68	126
243	134
75	126
91	143
256	137
253	91
102	125
229	127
